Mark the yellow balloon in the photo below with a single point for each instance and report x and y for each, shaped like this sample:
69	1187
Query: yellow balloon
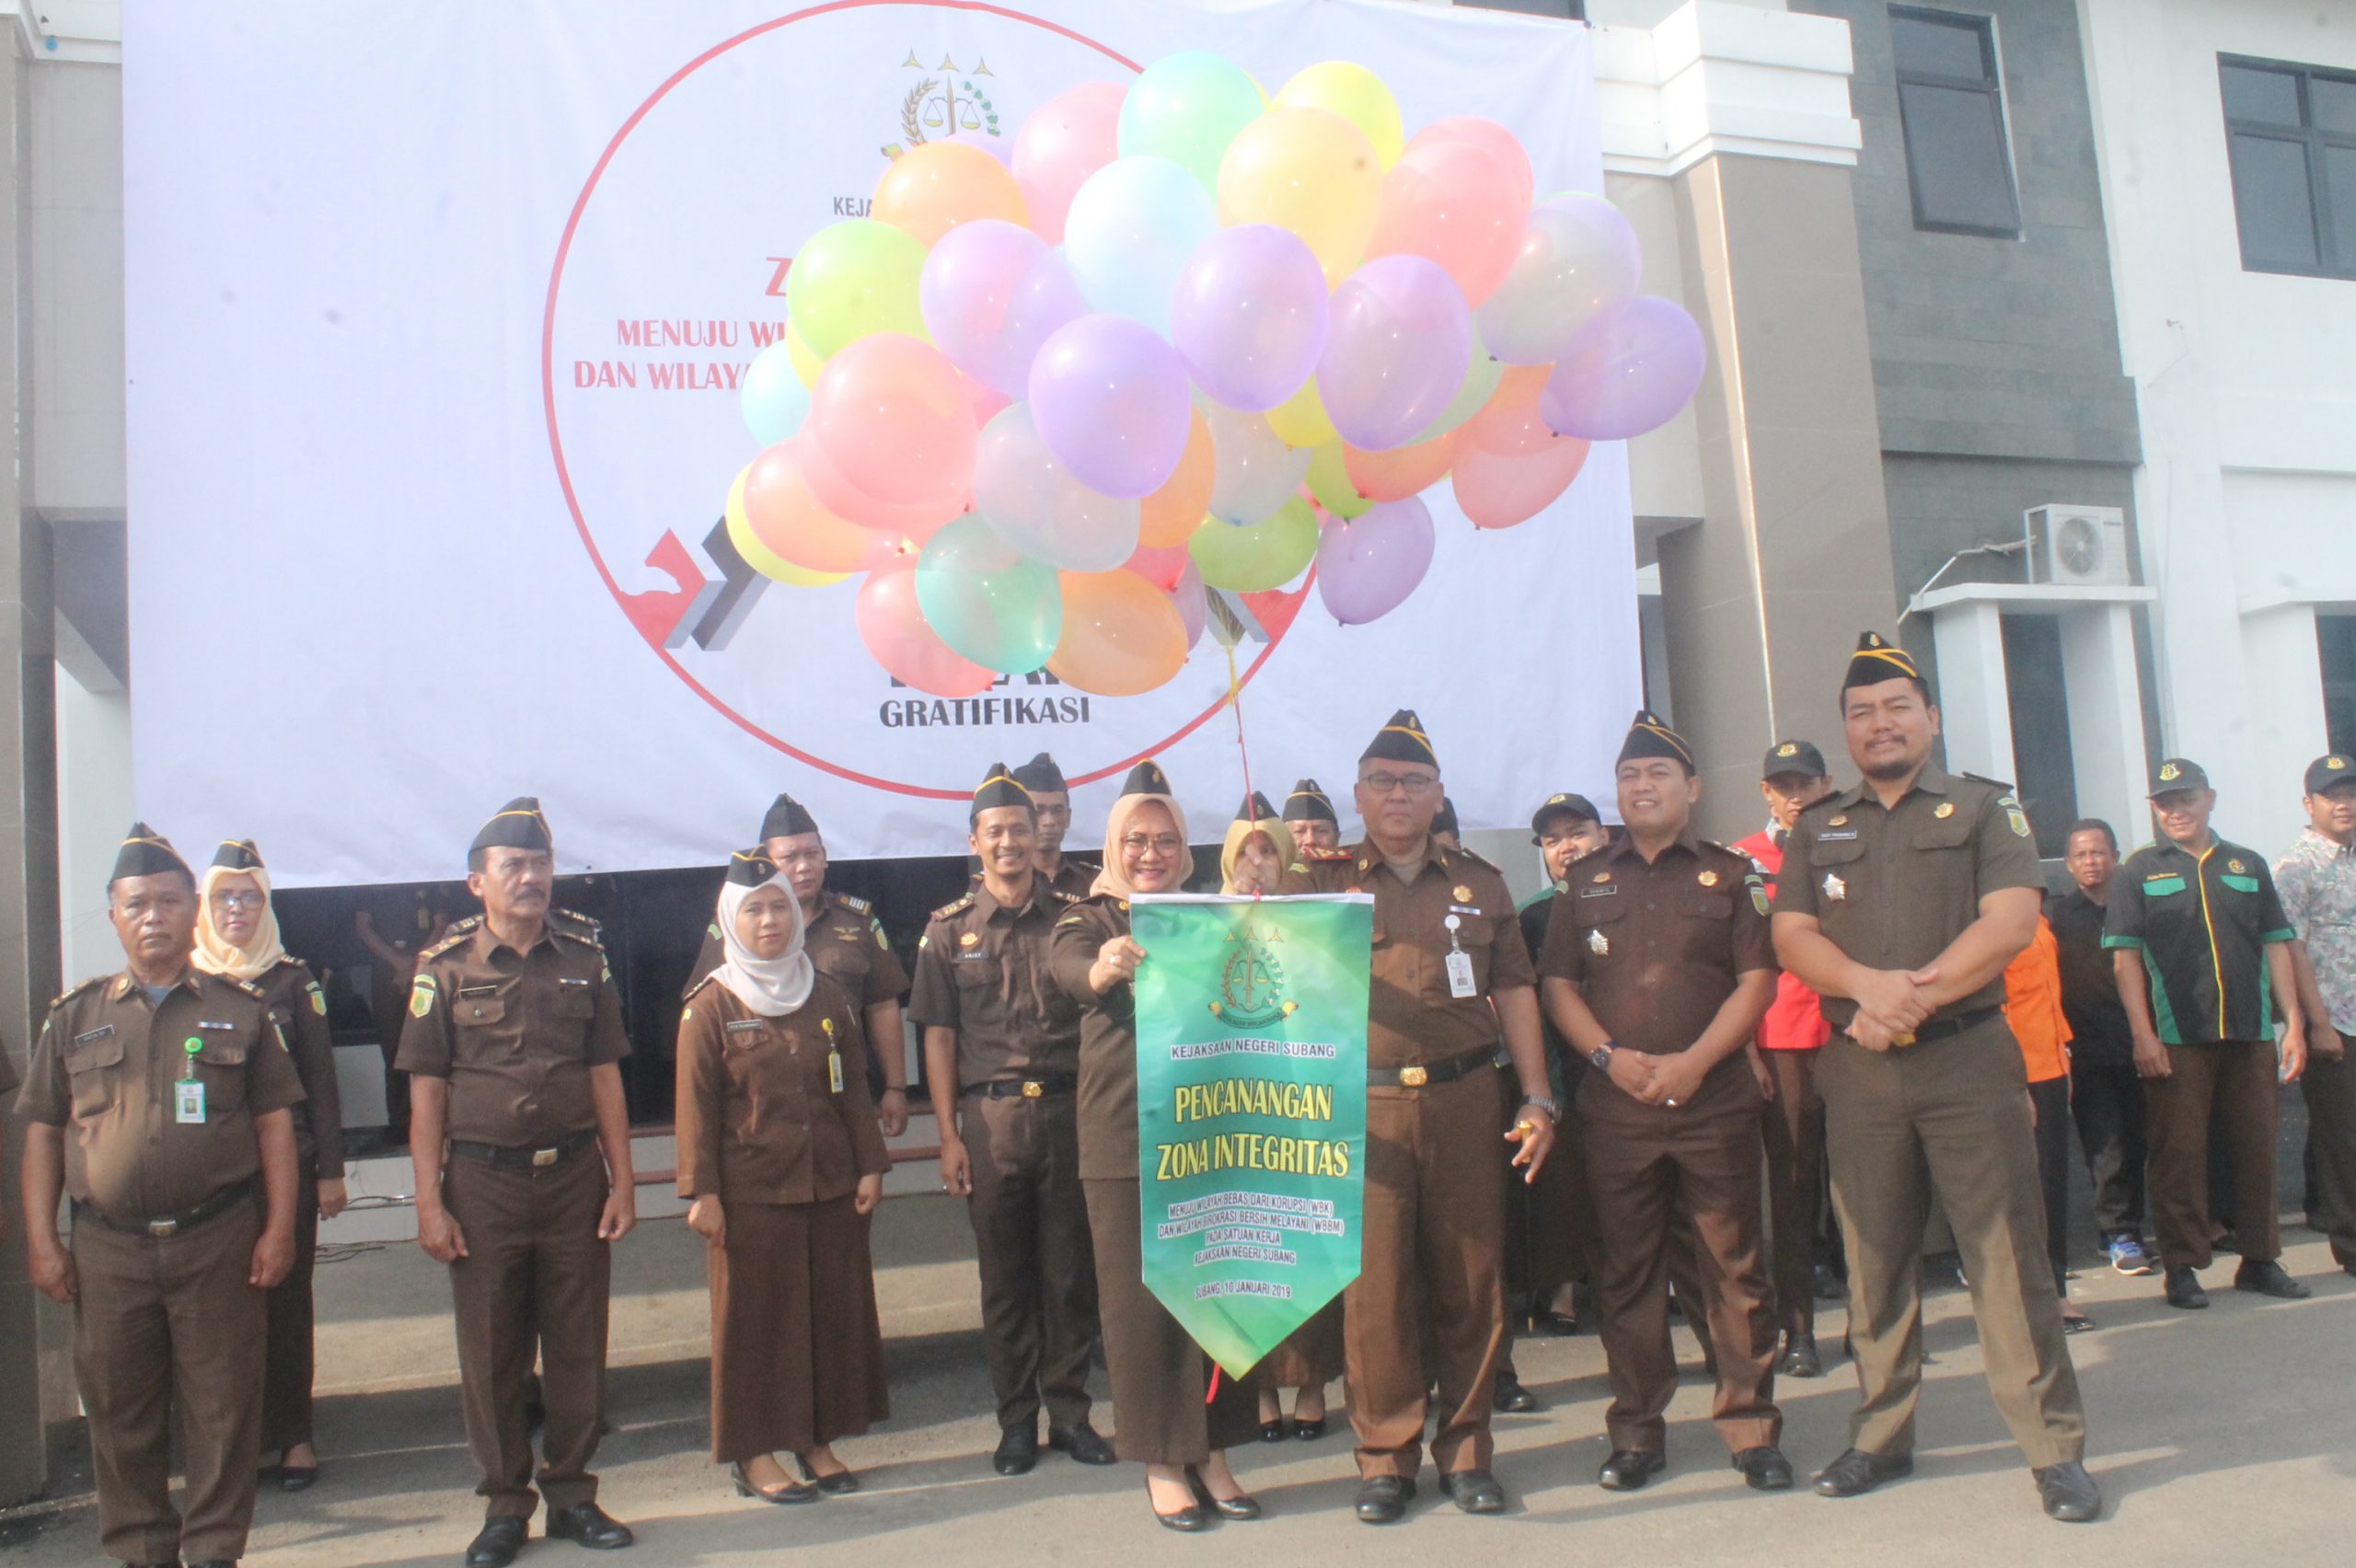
1308	170
758	555
1357	95
806	360
1299	419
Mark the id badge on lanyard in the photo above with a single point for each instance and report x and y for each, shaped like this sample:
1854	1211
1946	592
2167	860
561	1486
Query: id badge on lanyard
1459	964
833	1058
187	1094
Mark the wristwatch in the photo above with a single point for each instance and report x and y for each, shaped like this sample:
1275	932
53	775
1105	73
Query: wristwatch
1553	1112
1600	1058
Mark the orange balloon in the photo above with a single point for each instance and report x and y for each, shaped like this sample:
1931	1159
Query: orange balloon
786	518
1122	635
929	190
1497	492
1508	424
1403	470
1169	516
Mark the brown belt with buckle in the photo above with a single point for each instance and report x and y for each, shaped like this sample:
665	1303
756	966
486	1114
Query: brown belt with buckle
501	1158
1026	1089
169	1224
1446	1071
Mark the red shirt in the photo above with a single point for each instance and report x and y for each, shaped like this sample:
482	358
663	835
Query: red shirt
1795	1019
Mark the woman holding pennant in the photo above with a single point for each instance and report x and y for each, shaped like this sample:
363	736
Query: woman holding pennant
1178	1413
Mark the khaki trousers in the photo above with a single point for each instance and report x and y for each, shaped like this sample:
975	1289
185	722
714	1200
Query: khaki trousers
2232	1082
1038	1271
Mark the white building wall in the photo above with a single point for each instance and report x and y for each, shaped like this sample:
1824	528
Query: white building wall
2247	381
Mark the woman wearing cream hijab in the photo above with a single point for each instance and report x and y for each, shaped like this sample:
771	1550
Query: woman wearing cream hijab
236	934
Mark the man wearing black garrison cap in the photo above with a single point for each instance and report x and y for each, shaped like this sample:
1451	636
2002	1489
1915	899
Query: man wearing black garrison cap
1657	967
1051	804
1001	1050
1900	902
1309	817
514	1048
161	1100
1450	978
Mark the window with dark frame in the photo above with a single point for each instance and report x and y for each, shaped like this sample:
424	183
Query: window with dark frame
1951	109
2290	141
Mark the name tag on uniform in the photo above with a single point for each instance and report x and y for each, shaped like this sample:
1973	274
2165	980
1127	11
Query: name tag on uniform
484	990
1459	975
1836	836
98	1034
188	1102
209	1023
570	980
1607	891
1462	909
743	1025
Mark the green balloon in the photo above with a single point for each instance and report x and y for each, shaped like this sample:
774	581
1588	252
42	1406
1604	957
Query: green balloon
987	600
1268	554
1329	482
854	278
1188	107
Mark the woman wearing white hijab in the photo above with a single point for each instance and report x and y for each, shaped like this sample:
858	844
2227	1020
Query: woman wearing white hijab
1178	1413
780	1157
236	934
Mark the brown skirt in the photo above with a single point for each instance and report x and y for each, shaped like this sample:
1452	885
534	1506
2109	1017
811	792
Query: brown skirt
797	1359
1165	1409
1310	1356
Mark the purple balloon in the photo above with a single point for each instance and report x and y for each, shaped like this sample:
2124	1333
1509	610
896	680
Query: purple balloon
1367	567
1248	316
1397	348
1110	399
1633	373
991	293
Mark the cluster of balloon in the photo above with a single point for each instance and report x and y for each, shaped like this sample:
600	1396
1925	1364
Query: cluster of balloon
1183	336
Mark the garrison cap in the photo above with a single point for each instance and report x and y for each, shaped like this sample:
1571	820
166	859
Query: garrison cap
1000	789
1401	739
787	818
144	853
1444	819
1648	736
1794	757
1309	803
1564	804
2179	773
1041	773
518	825
1878	659
237	855
1146	778
2329	770
750	867
1255	808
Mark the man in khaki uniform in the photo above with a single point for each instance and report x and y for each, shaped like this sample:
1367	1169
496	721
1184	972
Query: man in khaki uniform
159	1100
1899	903
1051	802
512	1048
1309	817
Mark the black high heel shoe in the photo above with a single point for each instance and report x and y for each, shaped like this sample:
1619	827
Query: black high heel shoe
1188	1521
834	1485
1244	1507
792	1491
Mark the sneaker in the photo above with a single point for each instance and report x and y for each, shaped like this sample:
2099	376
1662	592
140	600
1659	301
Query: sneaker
2127	1257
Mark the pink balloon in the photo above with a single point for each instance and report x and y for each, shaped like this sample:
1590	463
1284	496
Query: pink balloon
1397	350
1249	315
1110	399
1366	567
991	293
1497	492
890	413
1161	565
1457	203
852	504
1630	375
1065	140
895	634
1491	138
986	401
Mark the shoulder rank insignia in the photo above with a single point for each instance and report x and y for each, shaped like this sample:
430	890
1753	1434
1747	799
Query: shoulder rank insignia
1996	784
955	907
1597	943
421	995
1067	897
855	904
458	933
1708	879
75	991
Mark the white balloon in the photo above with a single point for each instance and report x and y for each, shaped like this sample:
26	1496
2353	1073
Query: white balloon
1258	472
1032	501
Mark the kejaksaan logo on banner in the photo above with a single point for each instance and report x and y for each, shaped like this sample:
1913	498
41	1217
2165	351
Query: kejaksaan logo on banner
1251	1024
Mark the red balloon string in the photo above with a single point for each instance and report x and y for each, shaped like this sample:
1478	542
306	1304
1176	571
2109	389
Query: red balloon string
1242	749
1213	1394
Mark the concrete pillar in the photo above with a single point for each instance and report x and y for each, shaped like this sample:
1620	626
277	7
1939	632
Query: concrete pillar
1762	601
2285	731
2104	693
1975	697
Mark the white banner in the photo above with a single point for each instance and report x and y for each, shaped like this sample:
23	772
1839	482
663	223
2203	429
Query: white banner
434	317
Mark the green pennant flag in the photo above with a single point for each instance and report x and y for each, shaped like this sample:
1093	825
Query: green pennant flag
1251	1024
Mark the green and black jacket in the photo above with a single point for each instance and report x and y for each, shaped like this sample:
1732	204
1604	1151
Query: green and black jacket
2201	923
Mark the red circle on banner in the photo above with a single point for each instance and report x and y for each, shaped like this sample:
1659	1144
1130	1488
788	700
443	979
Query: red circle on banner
556	441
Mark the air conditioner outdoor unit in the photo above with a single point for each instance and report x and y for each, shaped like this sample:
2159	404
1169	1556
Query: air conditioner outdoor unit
2080	545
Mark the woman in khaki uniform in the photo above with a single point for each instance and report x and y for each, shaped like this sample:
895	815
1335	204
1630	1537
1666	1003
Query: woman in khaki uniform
1177	1413
780	1157
236	934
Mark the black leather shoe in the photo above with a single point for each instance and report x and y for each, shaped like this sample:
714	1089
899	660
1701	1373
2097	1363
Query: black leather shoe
1475	1491
1856	1473
496	1547
1017	1451
2183	1289
1828	1283
2268	1279
792	1491
1310	1429
1799	1358
297	1477
833	1485
2068	1493
1083	1444
587	1525
1244	1506
1274	1431
1383	1499
1629	1468
1510	1398
1764	1469
1189	1520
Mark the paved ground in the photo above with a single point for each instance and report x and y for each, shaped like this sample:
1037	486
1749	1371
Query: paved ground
2228	1437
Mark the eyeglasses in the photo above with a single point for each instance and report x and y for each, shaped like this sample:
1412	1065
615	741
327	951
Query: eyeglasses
1412	783
1164	843
239	900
